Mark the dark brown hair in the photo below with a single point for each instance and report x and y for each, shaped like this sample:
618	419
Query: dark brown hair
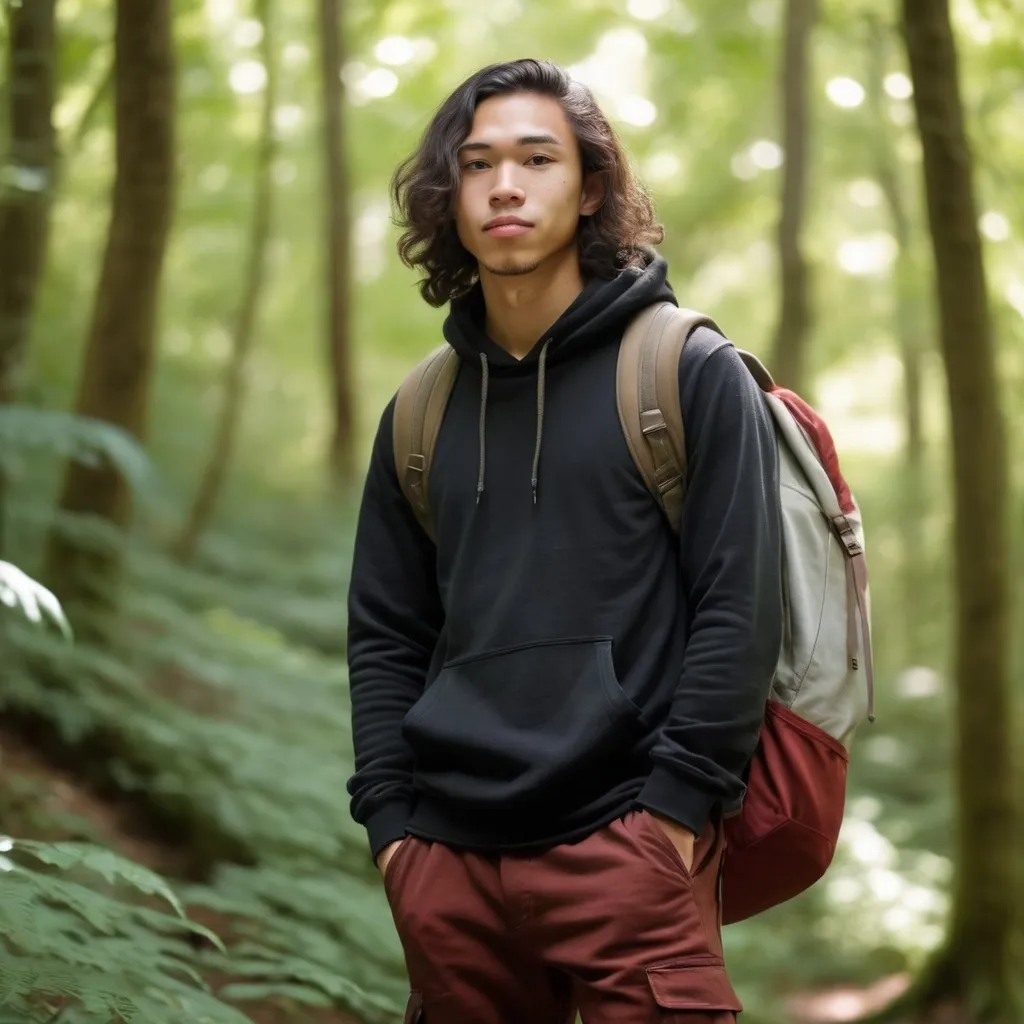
426	184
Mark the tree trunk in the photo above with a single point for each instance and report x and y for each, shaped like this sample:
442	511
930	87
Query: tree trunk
26	181
976	965
121	345
789	352
336	188
212	480
909	324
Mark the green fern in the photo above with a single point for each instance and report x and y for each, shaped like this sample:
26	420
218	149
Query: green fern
219	721
91	441
95	949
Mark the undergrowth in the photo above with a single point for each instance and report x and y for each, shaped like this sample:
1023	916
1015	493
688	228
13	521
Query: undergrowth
213	709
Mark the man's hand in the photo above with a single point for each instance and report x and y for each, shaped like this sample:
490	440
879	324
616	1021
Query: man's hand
385	855
682	838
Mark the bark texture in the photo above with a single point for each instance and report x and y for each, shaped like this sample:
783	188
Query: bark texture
338	265
976	969
121	344
26	189
789	349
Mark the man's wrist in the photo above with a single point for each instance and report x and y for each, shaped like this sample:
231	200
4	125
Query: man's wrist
676	799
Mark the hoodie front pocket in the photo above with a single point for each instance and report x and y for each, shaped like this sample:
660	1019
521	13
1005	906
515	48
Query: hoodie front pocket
497	729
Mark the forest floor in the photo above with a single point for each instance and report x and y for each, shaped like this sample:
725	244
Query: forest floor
39	801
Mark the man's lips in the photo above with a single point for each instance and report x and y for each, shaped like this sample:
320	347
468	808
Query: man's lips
507	227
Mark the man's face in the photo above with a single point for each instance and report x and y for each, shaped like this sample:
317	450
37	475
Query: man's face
521	192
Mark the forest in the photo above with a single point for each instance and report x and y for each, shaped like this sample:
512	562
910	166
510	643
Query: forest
202	315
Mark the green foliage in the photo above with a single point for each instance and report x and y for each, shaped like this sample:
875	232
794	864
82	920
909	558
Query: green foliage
245	743
25	431
296	929
92	950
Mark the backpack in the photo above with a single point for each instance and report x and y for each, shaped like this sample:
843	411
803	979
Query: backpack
783	837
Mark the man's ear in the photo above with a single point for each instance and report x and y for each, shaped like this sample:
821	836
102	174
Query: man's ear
593	196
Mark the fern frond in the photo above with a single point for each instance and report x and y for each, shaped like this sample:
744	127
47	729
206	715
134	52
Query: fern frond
70	436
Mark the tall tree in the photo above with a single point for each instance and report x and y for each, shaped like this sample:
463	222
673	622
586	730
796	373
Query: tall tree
215	471
121	344
338	272
789	350
910	323
976	966
26	180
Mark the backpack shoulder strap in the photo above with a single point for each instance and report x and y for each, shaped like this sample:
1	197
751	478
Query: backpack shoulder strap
647	389
757	370
419	409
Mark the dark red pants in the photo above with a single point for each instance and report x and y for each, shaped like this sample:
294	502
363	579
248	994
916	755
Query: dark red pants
614	926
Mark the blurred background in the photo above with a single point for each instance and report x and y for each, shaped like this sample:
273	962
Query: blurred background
201	318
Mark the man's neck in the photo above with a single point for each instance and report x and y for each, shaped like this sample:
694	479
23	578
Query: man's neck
520	308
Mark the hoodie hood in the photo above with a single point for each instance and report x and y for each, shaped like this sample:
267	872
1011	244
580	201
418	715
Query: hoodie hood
597	316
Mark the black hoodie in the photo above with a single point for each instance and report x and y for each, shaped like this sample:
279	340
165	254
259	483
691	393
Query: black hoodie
559	658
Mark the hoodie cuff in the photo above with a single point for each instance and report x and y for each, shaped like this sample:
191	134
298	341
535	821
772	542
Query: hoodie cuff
387	825
674	799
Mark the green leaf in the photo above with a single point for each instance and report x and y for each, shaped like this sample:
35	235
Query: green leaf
103	862
251	992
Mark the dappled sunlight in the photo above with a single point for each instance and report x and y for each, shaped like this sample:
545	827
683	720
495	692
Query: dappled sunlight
648	10
248	76
845	92
371	233
374	84
866	192
860	401
248	32
994	226
918	683
881	896
898	86
867	255
1015	295
666	171
761	155
615	72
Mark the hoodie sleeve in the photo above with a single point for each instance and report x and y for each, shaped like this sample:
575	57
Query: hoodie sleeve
394	618
731	564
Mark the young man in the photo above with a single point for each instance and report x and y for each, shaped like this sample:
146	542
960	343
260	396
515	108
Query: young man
555	700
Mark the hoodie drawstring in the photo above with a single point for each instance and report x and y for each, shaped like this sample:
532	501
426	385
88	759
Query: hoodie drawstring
542	366
484	380
484	384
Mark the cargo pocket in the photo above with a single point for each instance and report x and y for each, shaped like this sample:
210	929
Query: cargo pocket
694	991
413	1008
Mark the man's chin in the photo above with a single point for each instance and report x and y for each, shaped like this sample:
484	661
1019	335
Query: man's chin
512	268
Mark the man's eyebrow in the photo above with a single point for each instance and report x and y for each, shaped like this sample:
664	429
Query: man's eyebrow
526	140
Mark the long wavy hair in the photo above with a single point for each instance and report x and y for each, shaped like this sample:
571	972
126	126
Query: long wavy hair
426	184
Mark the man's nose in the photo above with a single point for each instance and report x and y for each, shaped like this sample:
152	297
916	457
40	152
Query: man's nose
507	191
